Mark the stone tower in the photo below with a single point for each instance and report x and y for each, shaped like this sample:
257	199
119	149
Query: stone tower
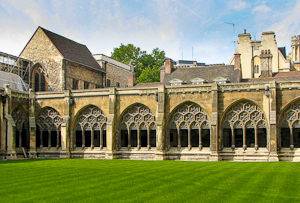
295	57
296	48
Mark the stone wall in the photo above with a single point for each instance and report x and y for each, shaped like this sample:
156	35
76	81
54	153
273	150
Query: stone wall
83	74
215	100
115	74
40	50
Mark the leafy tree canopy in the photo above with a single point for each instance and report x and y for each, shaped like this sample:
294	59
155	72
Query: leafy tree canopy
147	66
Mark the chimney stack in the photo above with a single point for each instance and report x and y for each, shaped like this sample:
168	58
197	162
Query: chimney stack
237	66
166	69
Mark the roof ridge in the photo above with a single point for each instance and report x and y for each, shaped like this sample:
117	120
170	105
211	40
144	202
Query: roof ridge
51	32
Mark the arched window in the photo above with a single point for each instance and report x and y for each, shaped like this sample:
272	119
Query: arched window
90	128
244	126
22	127
189	127
48	128
39	79
290	127
138	128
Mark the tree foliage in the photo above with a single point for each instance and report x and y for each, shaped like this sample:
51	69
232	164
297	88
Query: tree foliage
147	66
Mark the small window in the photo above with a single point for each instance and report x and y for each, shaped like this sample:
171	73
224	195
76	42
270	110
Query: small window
86	85
75	84
108	82
117	84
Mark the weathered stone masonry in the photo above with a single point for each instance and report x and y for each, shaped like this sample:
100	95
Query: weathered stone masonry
244	122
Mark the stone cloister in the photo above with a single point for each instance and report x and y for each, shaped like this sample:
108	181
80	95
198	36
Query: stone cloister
242	122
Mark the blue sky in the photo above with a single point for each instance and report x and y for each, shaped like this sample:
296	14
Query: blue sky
176	26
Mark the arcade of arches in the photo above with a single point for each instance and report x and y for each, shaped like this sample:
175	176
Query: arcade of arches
110	124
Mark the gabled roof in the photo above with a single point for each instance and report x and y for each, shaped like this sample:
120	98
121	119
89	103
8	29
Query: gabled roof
72	51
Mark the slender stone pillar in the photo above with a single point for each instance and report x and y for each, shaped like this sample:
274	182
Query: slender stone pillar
129	137
232	138
160	123
255	138
200	139
92	138
2	125
189	139
41	139
101	138
214	129
244	138
148	139
57	138
138	138
82	138
49	138
178	138
291	138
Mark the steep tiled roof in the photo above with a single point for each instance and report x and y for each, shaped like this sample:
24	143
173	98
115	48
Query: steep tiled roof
208	73
72	50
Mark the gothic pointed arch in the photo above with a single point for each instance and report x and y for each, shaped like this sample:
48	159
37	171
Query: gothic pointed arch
38	78
189	126
290	125
137	127
244	125
48	128
20	117
90	127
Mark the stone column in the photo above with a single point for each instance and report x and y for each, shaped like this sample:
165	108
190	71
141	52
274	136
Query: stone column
129	137
67	133
92	138
270	101
255	138
160	123
189	139
11	128
111	131
200	138
232	138
49	138
32	125
178	138
148	138
2	125
138	138
244	138
214	130
101	138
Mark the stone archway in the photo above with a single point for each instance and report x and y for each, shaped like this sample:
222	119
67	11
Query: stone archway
244	125
290	126
20	118
189	126
90	128
48	128
138	127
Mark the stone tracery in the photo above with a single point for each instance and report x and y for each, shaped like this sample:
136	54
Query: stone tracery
189	116
91	128
137	123
21	122
244	115
290	126
49	122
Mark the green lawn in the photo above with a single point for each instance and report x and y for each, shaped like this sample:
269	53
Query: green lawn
121	180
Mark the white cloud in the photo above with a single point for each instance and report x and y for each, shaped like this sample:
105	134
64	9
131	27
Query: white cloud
237	5
261	9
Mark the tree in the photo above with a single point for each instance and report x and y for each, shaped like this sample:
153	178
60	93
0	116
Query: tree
147	66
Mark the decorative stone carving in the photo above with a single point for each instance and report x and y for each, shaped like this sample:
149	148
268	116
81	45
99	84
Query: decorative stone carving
138	116
49	119
292	115
20	118
91	118
245	115
190	115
